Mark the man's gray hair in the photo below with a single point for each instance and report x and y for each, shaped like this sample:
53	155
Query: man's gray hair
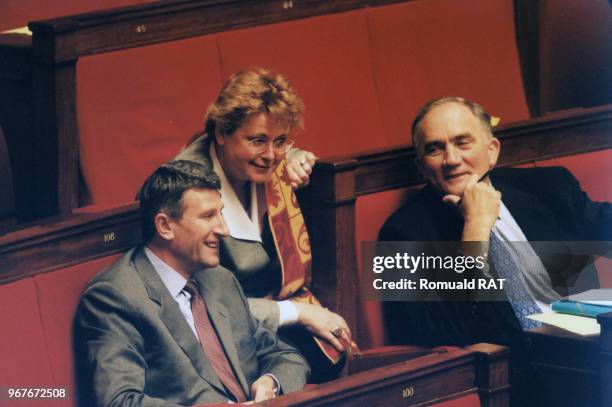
479	112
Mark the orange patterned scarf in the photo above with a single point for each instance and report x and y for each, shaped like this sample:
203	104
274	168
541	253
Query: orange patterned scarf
292	246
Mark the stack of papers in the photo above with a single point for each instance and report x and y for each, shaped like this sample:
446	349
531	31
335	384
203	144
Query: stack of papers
599	296
584	326
577	313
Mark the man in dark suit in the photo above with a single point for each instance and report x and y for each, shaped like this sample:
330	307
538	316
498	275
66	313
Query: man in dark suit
466	200
164	326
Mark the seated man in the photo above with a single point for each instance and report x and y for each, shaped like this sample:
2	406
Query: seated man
466	201
163	325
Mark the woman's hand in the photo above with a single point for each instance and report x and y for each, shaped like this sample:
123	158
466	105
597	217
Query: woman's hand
325	324
299	167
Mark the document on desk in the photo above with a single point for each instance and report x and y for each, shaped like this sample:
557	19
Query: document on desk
21	30
597	296
584	326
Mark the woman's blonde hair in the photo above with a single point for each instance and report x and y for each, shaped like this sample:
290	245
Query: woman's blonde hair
251	92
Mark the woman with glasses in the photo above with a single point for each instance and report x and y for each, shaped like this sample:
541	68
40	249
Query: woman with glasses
246	140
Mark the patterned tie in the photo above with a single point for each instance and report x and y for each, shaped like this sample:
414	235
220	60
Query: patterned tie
518	294
211	344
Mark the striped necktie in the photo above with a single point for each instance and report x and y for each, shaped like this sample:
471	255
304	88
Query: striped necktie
518	294
211	345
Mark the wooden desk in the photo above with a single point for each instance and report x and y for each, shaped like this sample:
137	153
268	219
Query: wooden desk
477	374
576	370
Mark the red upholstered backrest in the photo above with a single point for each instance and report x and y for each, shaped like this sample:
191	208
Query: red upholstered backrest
58	296
137	108
428	49
23	357
594	172
362	75
371	211
36	315
327	59
469	400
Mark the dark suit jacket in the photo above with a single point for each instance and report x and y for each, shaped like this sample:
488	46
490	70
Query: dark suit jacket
137	349
548	205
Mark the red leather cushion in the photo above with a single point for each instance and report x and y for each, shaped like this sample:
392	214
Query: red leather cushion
58	295
23	354
137	108
327	59
470	400
423	50
371	211
593	170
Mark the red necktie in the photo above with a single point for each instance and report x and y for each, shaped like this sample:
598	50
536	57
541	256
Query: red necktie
211	344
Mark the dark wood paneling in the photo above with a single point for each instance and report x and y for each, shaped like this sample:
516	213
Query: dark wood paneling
93	33
570	366
333	218
52	173
492	374
17	117
605	341
329	202
55	146
526	19
563	133
7	199
423	381
65	241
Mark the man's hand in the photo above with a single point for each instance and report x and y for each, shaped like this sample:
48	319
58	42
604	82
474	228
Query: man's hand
325	324
299	167
480	208
263	388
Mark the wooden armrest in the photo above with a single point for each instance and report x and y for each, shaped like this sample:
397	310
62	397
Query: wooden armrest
387	355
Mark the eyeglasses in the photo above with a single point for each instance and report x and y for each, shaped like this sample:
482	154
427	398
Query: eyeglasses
260	145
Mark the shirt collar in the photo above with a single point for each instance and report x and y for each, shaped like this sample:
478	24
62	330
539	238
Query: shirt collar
171	278
240	224
507	227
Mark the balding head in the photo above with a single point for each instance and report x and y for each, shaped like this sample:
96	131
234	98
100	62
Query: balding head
454	144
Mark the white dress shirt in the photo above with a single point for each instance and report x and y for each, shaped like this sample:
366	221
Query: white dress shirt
175	283
509	231
245	226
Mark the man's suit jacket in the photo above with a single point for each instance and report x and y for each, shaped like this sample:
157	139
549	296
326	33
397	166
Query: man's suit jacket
547	204
137	349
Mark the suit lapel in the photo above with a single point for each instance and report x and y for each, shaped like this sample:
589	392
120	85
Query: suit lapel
535	220
171	316
219	317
